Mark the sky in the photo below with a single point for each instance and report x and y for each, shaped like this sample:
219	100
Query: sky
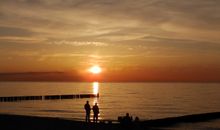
131	40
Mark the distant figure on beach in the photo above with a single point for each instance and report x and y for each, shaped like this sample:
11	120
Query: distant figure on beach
95	109
136	120
128	119
126	122
87	109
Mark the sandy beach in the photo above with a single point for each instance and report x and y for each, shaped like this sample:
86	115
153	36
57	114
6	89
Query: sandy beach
9	122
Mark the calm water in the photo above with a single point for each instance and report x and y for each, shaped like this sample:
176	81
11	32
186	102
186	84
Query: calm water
145	100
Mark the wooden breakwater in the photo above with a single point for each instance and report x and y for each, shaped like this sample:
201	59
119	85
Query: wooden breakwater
47	97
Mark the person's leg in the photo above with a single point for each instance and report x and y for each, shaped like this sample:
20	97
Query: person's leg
89	117
94	118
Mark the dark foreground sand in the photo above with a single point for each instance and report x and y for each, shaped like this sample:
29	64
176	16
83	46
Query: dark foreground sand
12	122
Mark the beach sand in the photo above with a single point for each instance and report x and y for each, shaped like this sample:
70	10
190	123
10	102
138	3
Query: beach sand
10	122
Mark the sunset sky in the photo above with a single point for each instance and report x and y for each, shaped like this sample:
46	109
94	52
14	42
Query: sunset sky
131	40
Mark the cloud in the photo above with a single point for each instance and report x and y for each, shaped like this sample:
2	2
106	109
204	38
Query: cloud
76	30
20	40
59	55
78	43
128	19
14	31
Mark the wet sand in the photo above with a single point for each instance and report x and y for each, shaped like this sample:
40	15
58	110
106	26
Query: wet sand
9	122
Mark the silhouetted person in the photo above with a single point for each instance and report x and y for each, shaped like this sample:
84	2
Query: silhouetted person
136	120
95	109
126	122
137	123
87	109
127	119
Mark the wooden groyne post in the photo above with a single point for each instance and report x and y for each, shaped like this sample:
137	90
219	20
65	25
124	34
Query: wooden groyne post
47	97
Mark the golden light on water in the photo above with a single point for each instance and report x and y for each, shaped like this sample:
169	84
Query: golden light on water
95	87
96	91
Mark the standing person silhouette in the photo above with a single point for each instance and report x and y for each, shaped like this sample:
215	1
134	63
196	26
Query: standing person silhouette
95	109
87	109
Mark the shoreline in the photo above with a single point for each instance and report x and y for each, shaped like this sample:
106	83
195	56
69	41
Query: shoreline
8	122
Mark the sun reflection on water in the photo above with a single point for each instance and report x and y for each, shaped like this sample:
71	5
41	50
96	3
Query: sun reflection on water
95	87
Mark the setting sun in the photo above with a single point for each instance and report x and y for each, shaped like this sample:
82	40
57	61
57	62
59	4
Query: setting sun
95	70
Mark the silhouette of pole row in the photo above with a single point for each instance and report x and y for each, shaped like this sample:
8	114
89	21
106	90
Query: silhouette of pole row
47	97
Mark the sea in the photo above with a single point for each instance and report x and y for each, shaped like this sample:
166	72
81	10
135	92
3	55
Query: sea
144	100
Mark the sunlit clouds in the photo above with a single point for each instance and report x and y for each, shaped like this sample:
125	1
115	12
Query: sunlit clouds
78	43
143	37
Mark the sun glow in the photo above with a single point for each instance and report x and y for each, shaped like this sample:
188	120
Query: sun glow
95	69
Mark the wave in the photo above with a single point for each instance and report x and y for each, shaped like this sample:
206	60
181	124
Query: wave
59	111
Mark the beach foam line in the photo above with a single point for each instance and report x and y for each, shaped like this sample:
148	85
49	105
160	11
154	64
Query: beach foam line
47	97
